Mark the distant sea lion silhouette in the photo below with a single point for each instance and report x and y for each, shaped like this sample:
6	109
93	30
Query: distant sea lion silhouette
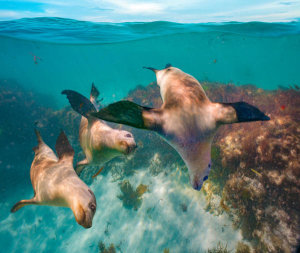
55	182
187	120
99	142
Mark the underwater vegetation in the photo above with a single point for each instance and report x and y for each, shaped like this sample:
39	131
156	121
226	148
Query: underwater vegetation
242	248
103	249
264	205
219	249
132	198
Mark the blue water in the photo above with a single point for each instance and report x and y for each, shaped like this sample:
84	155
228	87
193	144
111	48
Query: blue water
83	52
47	55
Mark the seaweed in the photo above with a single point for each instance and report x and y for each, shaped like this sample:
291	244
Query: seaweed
270	148
184	207
242	248
132	199
263	206
103	249
220	248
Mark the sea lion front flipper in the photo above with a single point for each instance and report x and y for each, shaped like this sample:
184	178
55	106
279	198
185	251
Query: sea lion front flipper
129	113
22	203
79	103
240	112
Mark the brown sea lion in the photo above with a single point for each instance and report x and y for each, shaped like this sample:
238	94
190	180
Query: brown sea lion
187	120
55	182
99	142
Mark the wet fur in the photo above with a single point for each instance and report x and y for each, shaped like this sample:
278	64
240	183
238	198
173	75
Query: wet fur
99	142
187	120
54	181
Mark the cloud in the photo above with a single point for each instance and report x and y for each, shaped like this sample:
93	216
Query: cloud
151	10
10	14
139	8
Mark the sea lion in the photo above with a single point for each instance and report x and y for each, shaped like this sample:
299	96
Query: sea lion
99	142
187	120
55	182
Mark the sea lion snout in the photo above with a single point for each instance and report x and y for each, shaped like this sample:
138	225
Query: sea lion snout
198	180
85	209
131	148
128	147
197	183
84	215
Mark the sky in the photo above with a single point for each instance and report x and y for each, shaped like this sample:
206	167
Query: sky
184	11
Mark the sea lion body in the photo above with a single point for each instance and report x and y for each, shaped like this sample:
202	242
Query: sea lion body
55	182
187	120
99	142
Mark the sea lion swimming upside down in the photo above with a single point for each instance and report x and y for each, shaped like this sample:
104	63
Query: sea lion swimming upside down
187	120
99	142
55	182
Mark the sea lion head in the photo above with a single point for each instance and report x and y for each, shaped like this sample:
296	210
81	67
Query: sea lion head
85	208
162	75
197	179
125	142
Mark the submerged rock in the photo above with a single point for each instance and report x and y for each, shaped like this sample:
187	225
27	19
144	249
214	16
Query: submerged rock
256	166
255	175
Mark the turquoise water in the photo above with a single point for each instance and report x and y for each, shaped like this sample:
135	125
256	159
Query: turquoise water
79	53
41	57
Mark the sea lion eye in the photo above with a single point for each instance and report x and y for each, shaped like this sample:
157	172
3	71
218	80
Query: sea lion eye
92	206
128	135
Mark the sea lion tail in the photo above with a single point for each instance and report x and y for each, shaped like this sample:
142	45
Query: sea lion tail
129	113
63	147
80	103
22	203
39	139
241	112
38	136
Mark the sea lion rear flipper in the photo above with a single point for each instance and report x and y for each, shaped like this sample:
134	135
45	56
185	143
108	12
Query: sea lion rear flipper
94	94
80	103
39	139
22	203
243	112
63	147
129	113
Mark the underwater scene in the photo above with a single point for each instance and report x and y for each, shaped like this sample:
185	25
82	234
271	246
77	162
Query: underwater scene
110	144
